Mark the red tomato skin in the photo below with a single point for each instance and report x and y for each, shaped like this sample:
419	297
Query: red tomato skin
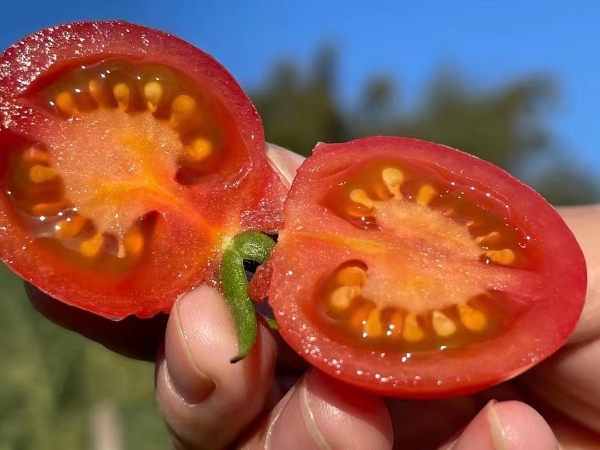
251	199
300	259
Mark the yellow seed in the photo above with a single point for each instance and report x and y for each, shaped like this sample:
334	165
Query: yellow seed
488	238
505	256
412	331
359	196
41	174
70	227
48	209
95	90
122	95
153	93
34	155
351	276
396	324
373	327
442	324
425	195
200	149
358	319
472	318
134	243
392	178
65	102
91	247
182	109
342	297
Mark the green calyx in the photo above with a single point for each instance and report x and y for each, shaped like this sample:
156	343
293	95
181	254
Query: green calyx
249	246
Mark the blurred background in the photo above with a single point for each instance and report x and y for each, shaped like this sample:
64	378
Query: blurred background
516	83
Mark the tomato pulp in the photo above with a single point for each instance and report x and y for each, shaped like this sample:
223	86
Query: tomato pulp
411	269
128	158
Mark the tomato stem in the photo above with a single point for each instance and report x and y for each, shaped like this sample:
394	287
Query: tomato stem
251	246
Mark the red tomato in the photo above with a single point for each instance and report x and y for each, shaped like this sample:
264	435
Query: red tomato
411	269
128	159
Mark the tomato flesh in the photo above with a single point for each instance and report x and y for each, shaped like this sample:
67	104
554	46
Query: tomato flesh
415	270
128	157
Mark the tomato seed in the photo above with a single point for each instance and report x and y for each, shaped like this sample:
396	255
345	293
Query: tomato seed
153	93
122	95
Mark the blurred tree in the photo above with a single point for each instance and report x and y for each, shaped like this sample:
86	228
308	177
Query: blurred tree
51	380
506	125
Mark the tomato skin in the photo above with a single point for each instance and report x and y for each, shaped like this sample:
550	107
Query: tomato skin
250	198
315	240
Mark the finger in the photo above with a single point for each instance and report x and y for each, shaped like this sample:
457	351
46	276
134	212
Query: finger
320	413
284	162
583	221
207	401
506	425
569	383
131	337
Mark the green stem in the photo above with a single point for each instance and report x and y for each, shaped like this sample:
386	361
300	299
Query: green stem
252	246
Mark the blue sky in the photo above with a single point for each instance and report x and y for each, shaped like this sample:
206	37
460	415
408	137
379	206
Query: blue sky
491	43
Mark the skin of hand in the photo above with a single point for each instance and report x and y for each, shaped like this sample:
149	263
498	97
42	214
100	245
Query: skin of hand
272	400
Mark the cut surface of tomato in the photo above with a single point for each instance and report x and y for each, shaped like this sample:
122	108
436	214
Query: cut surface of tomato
128	158
415	270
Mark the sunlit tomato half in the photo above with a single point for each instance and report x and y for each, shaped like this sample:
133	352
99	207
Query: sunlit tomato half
415	270
128	158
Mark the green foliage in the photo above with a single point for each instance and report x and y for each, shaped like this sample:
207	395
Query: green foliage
506	125
51	380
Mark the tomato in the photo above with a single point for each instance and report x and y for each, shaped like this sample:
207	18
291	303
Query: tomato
411	269
129	158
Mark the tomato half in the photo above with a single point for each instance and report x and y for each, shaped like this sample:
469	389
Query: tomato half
128	159
415	270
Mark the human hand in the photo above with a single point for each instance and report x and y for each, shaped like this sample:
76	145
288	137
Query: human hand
209	403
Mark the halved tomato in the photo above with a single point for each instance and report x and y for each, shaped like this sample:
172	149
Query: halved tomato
415	270
129	158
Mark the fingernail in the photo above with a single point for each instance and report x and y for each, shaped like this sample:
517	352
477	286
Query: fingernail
483	433
188	381
323	414
499	440
296	426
